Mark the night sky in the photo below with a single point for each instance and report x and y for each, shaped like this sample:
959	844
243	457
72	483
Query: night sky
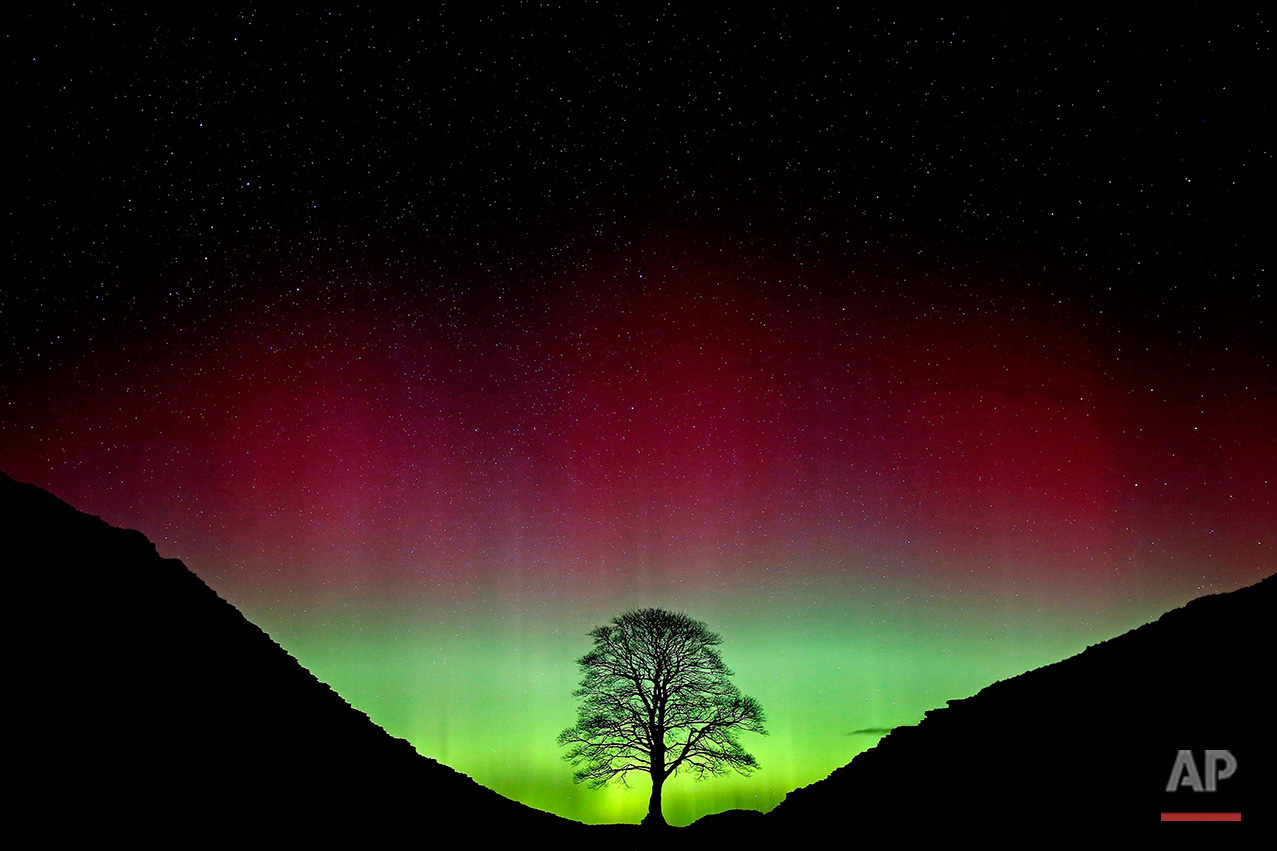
908	354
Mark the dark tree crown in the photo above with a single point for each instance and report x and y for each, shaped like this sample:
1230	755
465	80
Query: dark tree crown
656	698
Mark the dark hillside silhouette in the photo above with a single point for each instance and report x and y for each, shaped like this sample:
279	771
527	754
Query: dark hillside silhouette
148	707
1082	746
144	706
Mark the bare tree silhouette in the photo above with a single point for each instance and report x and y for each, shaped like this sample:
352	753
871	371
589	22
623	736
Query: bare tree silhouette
656	698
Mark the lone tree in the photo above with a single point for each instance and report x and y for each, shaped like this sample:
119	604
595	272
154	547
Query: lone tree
655	697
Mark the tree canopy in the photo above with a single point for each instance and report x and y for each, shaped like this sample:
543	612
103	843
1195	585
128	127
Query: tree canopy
656	698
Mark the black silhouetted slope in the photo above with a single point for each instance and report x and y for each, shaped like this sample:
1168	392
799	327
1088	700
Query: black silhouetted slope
144	706
148	707
1085	744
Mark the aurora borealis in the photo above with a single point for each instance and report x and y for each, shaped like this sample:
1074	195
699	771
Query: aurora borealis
433	343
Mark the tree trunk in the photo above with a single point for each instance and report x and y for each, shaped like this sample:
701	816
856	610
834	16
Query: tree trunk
654	817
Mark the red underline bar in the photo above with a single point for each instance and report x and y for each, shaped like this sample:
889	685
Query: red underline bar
1201	816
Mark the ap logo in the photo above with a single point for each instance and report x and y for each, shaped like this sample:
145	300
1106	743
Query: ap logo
1219	765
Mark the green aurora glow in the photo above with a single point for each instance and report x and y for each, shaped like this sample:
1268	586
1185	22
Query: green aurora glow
486	688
